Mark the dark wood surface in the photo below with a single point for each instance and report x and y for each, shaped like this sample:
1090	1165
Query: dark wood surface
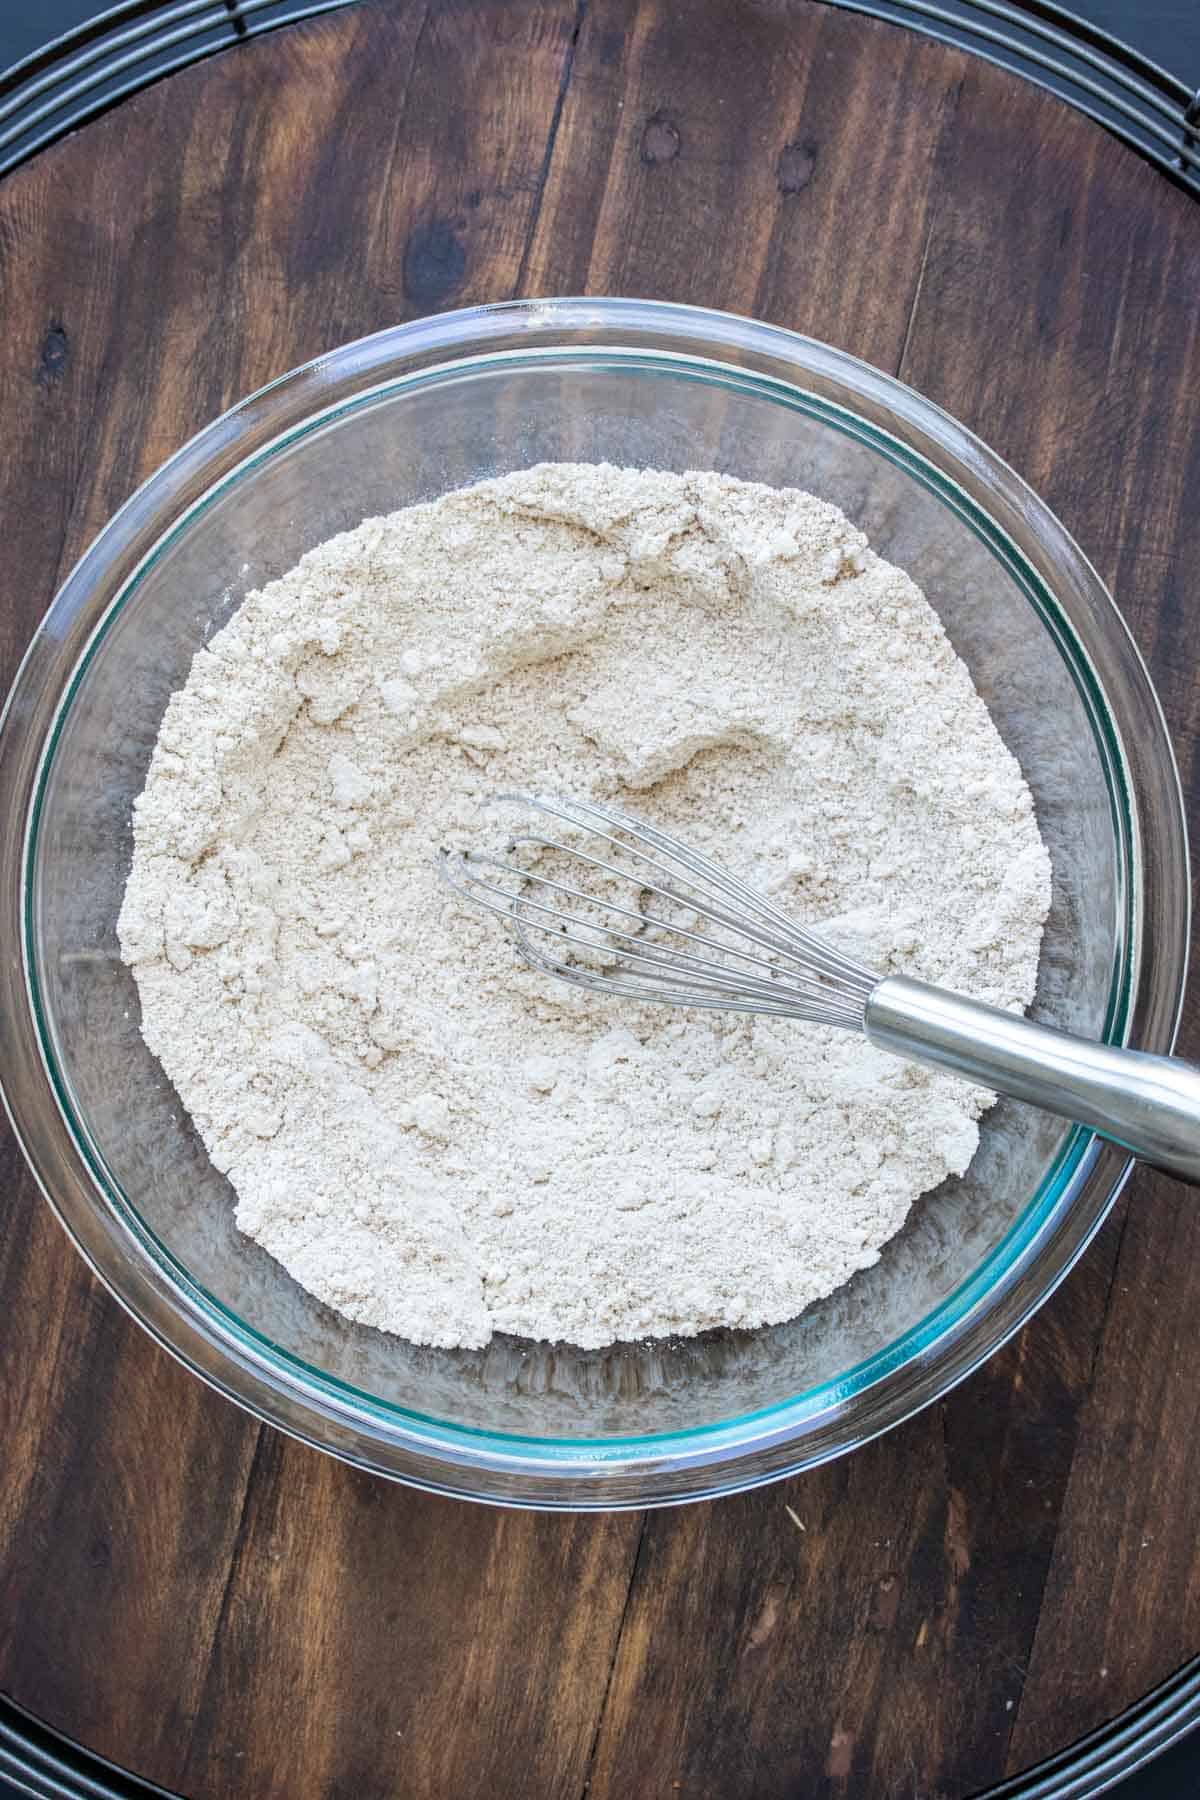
231	1614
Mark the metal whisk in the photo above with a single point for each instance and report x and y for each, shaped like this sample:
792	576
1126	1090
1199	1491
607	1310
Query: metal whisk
611	903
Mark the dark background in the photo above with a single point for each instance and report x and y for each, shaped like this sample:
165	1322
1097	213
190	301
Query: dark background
1168	32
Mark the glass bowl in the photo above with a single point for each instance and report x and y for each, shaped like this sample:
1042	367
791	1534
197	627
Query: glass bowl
401	417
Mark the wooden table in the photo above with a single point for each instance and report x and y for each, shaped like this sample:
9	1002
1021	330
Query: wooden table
229	1613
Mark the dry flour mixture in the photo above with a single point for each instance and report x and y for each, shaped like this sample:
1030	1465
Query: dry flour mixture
444	1144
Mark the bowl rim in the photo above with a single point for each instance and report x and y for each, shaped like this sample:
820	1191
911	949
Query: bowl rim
628	1471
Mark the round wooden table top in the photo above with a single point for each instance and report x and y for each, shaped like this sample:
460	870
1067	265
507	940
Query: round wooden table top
228	1613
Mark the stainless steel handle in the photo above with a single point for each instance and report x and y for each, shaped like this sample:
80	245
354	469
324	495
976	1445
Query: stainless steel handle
1150	1105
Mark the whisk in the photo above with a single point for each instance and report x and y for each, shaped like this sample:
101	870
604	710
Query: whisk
610	903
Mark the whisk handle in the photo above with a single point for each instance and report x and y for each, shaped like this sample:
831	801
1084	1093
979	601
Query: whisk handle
1150	1105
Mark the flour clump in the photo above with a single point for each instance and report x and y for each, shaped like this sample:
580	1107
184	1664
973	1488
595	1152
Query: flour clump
428	1135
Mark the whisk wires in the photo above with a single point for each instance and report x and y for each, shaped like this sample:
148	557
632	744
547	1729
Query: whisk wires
620	907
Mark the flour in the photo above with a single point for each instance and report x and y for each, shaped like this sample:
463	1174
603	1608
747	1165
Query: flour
437	1140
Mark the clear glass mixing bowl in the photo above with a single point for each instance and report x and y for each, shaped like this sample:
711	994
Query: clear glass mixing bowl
401	417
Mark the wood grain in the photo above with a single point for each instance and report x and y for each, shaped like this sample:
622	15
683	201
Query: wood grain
724	165
229	1613
426	1641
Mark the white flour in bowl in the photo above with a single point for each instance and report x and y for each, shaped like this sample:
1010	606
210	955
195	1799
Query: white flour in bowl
433	1138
